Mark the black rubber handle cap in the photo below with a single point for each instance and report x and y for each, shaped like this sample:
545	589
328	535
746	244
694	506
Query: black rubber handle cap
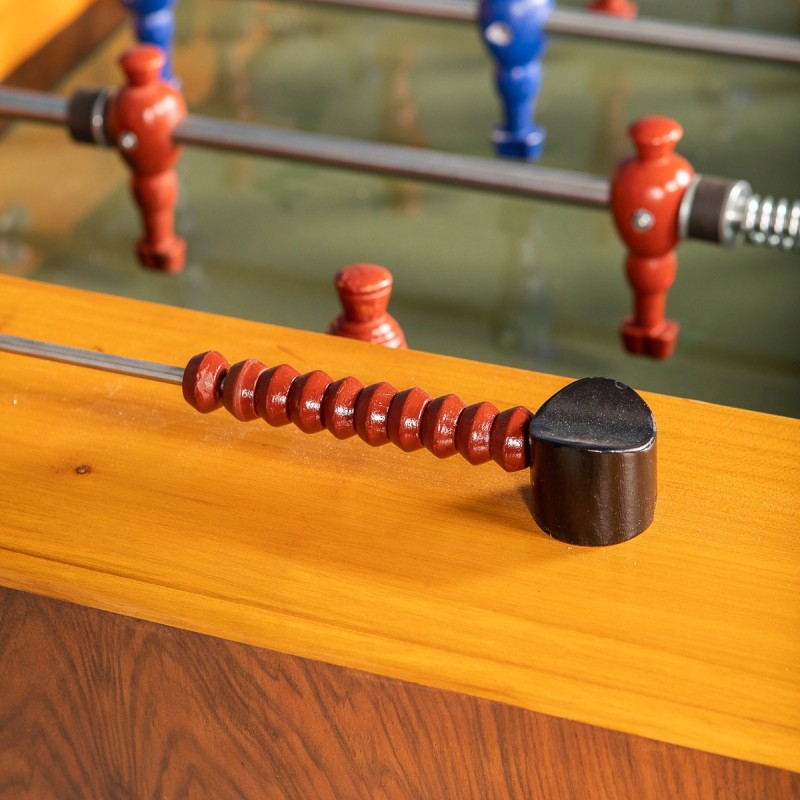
79	115
593	463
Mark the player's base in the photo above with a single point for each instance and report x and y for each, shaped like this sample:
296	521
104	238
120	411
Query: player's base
658	342
168	258
513	145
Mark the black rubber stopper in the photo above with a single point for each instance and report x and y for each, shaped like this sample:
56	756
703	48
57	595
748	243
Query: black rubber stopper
710	198
593	463
81	111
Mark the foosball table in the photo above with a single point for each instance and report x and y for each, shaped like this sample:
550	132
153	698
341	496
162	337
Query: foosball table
544	605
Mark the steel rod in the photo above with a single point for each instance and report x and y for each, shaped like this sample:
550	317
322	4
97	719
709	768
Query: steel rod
383	159
33	106
396	160
447	10
92	359
676	36
583	24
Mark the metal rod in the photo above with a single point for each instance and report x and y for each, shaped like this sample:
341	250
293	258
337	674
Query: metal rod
447	10
92	359
33	106
395	160
676	36
383	159
583	24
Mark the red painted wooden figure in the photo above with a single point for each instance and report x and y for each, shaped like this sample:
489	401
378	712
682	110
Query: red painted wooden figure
617	8
646	194
364	291
141	118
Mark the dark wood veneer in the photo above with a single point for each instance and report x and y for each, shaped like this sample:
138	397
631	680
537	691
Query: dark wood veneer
93	704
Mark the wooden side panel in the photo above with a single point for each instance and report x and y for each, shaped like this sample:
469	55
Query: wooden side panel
28	26
95	704
44	68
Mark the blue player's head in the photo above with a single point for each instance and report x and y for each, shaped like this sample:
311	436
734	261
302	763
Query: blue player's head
513	30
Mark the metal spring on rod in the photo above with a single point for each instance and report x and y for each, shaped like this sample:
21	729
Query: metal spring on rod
772	223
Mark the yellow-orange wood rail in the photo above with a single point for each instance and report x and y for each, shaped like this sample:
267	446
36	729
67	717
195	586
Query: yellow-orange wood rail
116	495
26	27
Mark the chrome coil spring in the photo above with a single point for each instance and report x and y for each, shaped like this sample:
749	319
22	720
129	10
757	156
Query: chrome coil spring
772	223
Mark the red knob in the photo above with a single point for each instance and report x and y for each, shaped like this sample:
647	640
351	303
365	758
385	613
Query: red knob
141	118
656	137
646	194
617	8
364	291
142	65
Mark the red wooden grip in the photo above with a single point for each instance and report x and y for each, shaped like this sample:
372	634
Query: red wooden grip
378	414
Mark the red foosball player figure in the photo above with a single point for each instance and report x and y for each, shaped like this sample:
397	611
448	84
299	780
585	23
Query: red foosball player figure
617	8
364	291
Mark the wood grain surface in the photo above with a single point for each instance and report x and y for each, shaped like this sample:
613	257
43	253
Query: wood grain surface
98	705
116	495
52	57
27	27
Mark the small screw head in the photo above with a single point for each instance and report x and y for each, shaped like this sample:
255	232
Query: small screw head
499	34
642	220
128	141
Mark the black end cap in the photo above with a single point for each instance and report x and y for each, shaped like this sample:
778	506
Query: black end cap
86	116
711	197
593	452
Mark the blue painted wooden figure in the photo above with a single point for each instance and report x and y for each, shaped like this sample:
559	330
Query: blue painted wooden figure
154	23
513	31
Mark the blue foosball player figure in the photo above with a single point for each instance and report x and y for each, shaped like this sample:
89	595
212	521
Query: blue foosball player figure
154	23
513	31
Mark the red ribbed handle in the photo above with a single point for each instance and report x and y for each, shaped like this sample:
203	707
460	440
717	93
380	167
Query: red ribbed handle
378	414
